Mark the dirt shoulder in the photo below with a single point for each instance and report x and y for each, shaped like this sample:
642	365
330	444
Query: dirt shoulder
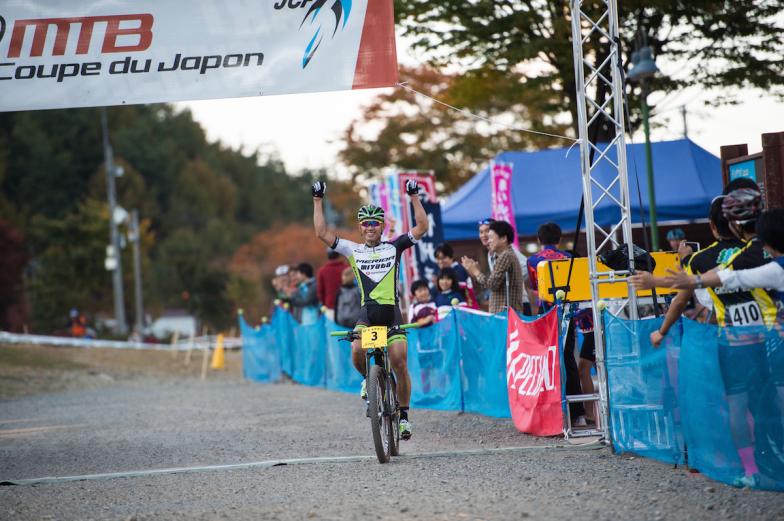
28	370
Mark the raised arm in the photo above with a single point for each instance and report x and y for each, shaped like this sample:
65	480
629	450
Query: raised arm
319	223
420	216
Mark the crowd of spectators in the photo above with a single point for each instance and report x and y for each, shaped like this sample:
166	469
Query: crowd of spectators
332	291
736	282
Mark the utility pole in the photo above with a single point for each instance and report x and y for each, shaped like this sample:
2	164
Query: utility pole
135	237
649	167
113	261
685	126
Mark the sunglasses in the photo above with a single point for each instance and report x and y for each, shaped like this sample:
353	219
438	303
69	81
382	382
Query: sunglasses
370	224
486	221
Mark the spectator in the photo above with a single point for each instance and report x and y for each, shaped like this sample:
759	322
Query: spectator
505	280
448	288
742	355
347	300
445	258
549	236
677	239
329	280
304	302
770	230
583	321
674	237
281	283
422	310
527	300
700	263
77	324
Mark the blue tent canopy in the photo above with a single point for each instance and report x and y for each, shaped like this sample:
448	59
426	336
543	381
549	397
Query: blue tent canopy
546	186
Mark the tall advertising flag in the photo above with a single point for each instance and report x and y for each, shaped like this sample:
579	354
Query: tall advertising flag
85	53
503	209
425	249
533	374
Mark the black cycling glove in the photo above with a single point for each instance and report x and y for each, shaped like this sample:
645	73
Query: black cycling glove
412	188
318	188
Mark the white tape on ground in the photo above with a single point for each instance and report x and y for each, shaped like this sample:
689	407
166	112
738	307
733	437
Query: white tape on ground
298	461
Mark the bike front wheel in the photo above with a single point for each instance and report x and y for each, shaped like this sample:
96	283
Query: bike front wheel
380	420
394	416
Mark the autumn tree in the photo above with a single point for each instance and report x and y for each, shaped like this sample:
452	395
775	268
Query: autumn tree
727	44
418	133
512	62
253	265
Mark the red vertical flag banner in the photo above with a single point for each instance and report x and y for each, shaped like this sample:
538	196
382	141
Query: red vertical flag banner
503	209
533	374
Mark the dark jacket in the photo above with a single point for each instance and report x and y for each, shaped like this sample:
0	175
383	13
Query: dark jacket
347	304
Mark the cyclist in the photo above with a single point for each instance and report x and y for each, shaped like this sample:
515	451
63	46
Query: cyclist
376	264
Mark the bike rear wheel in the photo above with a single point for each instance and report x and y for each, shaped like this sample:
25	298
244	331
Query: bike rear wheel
380	420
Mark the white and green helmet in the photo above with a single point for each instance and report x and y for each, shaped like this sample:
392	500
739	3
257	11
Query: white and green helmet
370	212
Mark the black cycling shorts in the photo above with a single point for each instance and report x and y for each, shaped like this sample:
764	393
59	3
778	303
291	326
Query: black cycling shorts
588	350
382	315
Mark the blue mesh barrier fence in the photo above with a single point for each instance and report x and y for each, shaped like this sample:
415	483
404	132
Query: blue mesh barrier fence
482	342
456	364
434	366
644	414
708	396
260	353
341	375
697	399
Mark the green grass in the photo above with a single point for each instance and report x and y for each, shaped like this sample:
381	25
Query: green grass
33	358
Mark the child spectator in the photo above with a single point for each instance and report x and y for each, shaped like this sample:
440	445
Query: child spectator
445	258
448	288
422	310
347	300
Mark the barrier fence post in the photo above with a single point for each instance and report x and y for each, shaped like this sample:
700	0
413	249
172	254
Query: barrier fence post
175	339
190	346
204	360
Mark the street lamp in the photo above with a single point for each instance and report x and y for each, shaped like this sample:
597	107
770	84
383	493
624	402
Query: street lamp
644	68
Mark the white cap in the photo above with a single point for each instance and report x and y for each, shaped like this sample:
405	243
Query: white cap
281	270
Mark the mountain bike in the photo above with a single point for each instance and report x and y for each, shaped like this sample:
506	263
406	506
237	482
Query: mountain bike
383	408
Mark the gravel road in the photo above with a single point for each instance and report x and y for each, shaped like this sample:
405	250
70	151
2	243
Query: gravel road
148	423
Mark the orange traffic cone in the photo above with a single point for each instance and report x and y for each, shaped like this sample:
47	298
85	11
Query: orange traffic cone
218	356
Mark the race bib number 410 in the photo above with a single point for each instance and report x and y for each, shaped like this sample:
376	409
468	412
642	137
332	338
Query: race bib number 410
746	314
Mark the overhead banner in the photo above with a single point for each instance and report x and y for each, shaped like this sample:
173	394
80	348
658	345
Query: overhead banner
83	53
503	209
533	374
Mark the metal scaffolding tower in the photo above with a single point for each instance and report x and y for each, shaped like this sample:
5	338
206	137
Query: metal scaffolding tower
598	69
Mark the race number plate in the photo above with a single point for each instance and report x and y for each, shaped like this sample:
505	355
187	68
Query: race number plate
746	314
374	337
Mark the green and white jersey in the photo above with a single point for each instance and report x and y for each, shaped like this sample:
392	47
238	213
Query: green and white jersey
376	268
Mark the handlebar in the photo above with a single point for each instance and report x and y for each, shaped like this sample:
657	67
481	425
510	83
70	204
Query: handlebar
349	333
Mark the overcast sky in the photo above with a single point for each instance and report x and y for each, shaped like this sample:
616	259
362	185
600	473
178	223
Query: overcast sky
305	129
